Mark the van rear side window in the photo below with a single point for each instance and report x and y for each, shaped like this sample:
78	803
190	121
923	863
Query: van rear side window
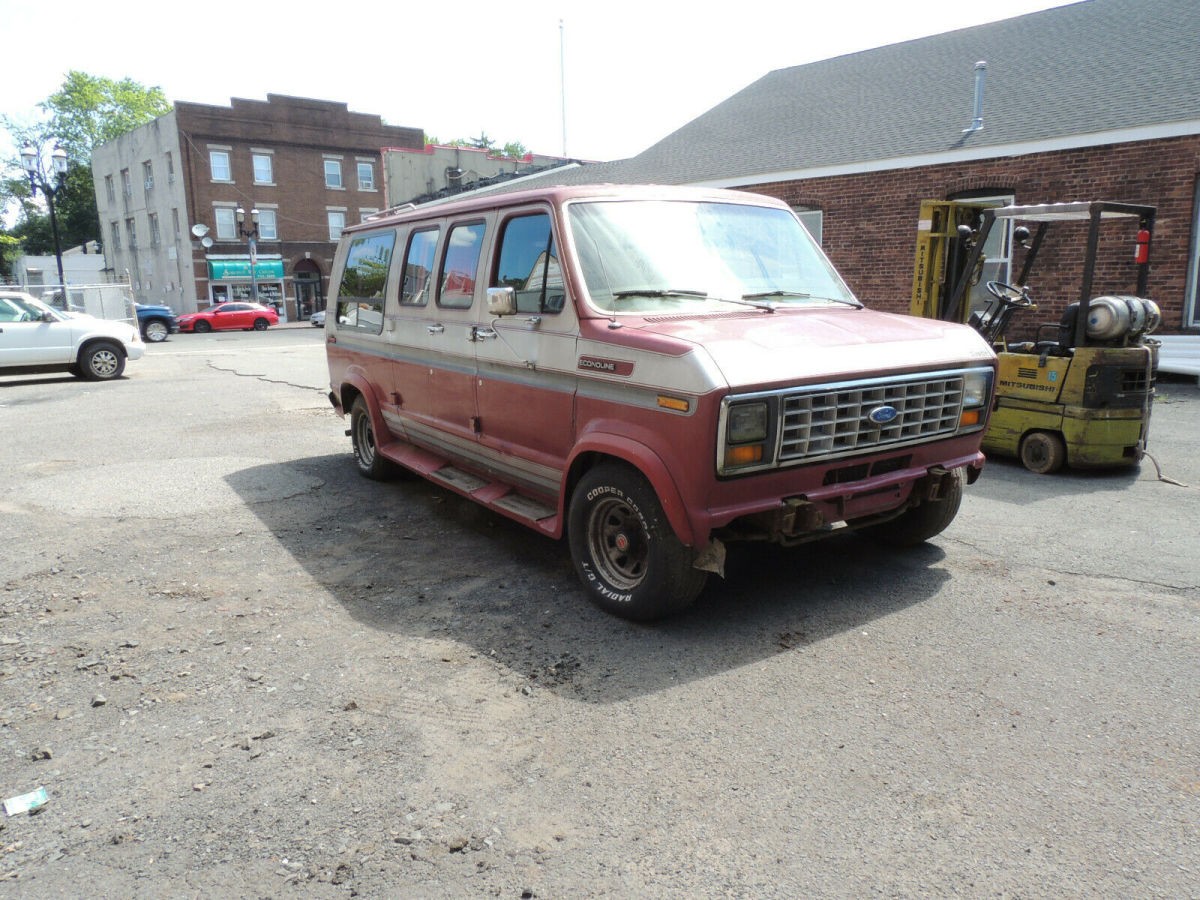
361	293
460	265
418	267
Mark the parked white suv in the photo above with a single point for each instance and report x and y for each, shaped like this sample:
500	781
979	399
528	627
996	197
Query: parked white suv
35	338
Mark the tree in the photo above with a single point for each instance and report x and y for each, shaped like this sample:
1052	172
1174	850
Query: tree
512	150
89	110
85	111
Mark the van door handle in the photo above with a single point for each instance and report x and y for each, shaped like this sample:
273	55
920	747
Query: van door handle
482	333
435	329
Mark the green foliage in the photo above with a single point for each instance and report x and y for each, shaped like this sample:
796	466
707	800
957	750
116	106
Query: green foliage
89	110
10	247
512	150
85	111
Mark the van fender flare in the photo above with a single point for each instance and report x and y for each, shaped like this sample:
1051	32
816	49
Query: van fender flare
356	383
646	461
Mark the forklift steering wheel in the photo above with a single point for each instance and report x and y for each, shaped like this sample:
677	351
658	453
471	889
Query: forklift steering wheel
1010	294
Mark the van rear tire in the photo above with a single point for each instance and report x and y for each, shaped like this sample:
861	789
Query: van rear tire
362	439
624	549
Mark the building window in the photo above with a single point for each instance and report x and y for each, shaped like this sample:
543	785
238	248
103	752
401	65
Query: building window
109	190
997	250
1191	300
131	233
148	174
115	231
264	171
812	219
154	235
337	221
126	183
366	176
218	163
226	223
266	225
170	169
333	174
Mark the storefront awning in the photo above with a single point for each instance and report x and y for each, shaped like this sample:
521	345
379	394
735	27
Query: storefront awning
264	269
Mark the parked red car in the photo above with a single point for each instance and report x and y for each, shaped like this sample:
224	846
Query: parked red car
229	316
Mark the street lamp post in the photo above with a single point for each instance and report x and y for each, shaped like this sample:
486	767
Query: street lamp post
251	236
30	160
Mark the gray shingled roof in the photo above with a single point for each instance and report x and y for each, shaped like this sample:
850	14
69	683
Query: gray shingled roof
1089	67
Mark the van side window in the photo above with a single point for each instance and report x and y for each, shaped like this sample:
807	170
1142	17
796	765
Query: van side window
360	294
418	267
457	285
529	264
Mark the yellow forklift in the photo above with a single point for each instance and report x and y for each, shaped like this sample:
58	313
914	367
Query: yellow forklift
1080	392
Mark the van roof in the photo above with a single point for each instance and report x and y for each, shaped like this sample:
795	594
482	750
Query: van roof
556	195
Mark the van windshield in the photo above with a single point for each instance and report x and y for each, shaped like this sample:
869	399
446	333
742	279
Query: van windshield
653	256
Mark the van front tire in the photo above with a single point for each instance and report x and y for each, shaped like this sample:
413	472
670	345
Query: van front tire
625	552
919	524
362	438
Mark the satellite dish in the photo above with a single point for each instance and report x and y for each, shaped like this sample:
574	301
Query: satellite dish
199	229
206	242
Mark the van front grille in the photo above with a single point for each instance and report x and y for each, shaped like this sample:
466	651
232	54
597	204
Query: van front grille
836	420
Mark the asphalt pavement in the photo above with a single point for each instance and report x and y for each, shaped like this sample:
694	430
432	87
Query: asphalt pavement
238	668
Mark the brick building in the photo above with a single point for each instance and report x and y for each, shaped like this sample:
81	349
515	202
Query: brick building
169	195
1097	100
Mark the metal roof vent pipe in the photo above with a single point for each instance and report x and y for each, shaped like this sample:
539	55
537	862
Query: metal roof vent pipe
980	77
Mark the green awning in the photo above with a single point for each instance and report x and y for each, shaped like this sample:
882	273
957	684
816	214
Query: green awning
264	269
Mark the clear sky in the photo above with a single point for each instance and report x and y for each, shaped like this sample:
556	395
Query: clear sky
633	71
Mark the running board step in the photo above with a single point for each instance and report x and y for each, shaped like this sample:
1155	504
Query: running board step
498	496
525	507
495	495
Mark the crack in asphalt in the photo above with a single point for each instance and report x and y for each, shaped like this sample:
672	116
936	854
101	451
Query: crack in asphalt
263	377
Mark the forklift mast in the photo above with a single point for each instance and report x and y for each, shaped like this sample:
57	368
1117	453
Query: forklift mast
952	235
944	236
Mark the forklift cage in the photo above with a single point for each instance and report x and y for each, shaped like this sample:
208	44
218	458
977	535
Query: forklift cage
1093	212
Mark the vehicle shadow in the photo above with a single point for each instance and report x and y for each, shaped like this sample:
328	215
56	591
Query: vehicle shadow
26	381
410	557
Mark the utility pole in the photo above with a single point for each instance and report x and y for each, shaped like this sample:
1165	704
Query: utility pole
562	84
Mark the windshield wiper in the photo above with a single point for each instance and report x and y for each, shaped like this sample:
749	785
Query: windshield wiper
761	295
800	294
767	307
658	292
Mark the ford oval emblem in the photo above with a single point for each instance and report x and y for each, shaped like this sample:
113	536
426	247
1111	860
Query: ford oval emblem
881	415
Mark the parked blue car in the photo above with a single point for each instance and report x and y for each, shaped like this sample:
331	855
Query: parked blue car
156	322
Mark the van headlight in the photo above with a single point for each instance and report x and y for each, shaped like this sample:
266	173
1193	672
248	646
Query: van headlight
977	396
747	430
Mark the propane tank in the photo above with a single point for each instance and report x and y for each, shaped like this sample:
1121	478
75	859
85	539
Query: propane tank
1113	318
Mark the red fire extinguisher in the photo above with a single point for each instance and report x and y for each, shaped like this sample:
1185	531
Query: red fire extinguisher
1141	251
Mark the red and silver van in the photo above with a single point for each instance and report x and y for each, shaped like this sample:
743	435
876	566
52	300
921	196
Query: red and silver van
652	372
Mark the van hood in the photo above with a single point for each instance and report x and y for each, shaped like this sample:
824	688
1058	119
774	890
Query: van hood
762	349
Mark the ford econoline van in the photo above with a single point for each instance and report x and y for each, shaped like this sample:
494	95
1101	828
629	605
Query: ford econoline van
651	372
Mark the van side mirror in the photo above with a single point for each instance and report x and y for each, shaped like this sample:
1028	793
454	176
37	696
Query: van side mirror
501	301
